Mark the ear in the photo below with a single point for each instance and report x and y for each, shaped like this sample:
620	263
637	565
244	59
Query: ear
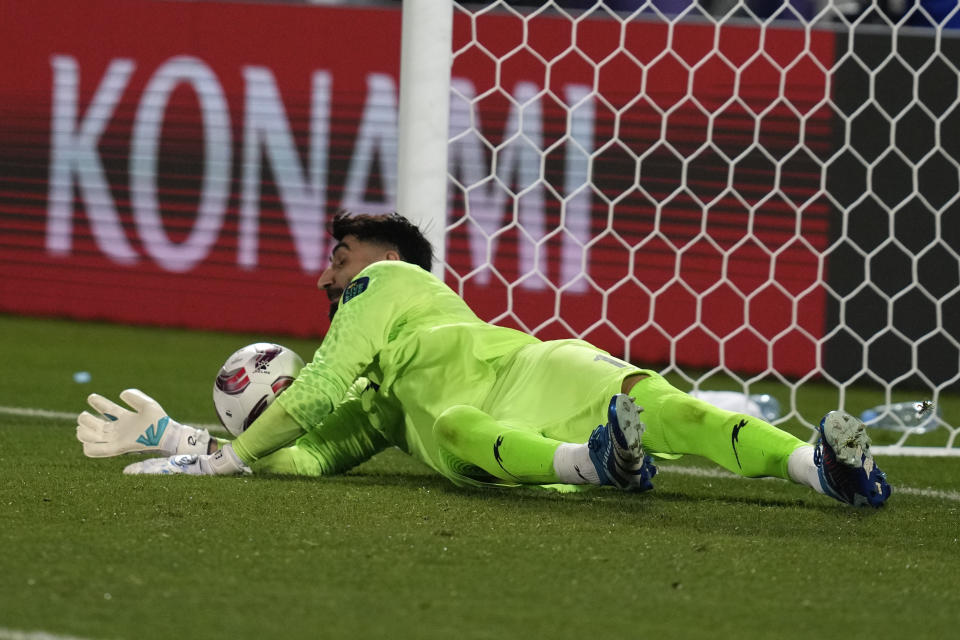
392	255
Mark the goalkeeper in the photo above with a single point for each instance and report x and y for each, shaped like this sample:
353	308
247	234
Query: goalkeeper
406	363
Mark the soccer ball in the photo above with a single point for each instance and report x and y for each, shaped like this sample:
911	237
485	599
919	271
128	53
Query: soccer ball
250	380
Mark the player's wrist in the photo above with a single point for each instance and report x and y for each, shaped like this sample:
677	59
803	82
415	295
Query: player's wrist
225	462
182	438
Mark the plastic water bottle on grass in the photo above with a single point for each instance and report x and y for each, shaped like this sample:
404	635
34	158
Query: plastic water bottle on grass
760	405
767	405
919	417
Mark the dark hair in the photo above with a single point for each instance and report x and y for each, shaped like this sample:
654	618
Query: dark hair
389	229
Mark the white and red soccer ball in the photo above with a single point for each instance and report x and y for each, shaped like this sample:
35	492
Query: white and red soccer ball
250	380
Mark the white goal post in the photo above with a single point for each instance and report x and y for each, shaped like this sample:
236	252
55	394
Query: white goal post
423	109
754	200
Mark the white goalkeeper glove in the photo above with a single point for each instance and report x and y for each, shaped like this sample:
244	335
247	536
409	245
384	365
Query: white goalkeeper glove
224	462
146	429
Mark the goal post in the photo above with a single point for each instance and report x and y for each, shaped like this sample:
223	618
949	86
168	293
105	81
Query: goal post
425	57
765	203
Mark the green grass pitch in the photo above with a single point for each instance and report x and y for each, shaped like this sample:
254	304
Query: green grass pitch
391	550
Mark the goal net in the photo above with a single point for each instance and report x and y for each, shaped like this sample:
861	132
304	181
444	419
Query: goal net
756	200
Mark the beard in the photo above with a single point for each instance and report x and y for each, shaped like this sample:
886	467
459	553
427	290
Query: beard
333	295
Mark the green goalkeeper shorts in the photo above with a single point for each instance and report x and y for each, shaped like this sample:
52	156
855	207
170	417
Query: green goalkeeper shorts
560	389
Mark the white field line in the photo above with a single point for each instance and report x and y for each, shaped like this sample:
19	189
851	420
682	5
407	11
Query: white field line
65	415
37	413
14	634
953	496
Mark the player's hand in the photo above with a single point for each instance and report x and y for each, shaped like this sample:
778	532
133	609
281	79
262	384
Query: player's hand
222	463
145	429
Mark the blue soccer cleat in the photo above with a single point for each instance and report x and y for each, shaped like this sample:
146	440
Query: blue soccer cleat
847	470
616	451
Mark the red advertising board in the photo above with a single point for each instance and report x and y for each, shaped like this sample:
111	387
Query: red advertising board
124	132
175	163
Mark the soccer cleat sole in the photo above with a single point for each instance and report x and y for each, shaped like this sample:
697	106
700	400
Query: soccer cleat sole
863	483
615	448
628	429
625	415
848	438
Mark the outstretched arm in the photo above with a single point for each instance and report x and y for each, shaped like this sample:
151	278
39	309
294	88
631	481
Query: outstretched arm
346	438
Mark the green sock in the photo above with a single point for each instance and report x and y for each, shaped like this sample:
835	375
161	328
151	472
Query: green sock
468	435
678	423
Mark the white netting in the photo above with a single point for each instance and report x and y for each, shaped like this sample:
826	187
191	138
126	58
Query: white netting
763	200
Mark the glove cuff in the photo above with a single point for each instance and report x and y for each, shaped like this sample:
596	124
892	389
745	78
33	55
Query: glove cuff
191	440
225	462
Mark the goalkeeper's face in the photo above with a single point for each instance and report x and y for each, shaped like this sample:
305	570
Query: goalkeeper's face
350	257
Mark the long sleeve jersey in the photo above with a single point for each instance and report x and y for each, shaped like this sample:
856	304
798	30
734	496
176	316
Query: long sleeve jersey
418	341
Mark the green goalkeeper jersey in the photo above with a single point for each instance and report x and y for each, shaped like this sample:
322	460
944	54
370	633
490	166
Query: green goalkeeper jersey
426	351
418	341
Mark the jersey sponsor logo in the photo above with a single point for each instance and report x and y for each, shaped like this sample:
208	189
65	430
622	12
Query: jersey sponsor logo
356	287
735	438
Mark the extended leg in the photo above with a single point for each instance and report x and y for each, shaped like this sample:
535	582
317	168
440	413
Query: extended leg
470	436
475	445
679	423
